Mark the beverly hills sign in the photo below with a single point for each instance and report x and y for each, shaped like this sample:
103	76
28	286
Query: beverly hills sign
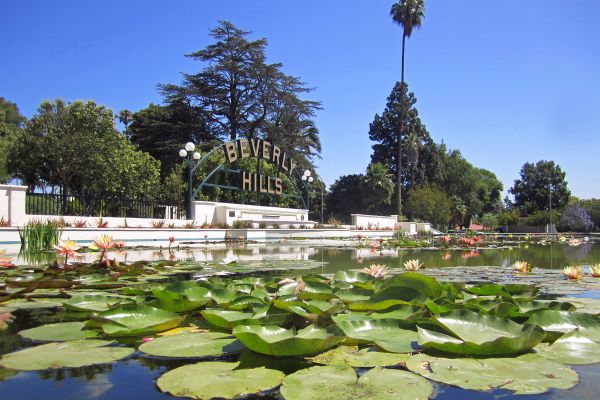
261	149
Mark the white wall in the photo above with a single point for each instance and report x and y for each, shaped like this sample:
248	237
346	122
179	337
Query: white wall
227	213
374	221
12	204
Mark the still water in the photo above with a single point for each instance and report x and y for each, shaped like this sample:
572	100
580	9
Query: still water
135	377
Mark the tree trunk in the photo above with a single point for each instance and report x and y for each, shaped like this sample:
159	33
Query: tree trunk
400	126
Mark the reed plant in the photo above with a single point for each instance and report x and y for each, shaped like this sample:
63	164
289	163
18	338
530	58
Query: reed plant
39	235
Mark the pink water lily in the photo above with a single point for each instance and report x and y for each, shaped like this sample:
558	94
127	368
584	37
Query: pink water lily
67	248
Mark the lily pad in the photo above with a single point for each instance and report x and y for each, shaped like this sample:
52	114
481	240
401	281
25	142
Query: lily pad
208	380
95	302
571	348
272	340
341	382
195	344
60	332
353	357
181	296
134	320
555	323
471	333
525	374
72	354
393	335
423	284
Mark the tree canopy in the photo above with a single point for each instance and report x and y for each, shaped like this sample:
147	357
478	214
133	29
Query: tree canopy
238	94
11	122
539	184
78	148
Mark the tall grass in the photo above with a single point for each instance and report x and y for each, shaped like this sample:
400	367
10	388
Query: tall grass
39	236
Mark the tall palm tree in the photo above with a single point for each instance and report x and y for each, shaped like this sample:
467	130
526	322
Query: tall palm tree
408	14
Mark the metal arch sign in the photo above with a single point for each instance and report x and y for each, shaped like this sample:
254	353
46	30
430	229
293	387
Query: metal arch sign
255	182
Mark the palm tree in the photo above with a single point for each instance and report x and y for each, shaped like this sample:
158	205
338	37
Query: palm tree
408	14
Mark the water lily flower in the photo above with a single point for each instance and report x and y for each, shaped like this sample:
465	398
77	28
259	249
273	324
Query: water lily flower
119	244
147	339
67	248
413	265
104	242
522	267
285	281
6	262
373	245
573	272
376	270
476	239
595	270
446	239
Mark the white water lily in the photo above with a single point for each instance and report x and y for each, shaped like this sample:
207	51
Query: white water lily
229	260
376	270
413	265
522	267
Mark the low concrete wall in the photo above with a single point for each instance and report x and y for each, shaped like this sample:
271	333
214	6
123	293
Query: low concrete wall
9	237
12	204
217	213
374	221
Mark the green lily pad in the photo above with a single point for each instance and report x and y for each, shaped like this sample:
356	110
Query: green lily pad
134	320
181	296
525	374
476	334
423	284
72	354
193	344
6	373
272	340
341	382
217	380
571	348
230	319
60	332
392	335
556	323
585	305
353	357
226	319
95	302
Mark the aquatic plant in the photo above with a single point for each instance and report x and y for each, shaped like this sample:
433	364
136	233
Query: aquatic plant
171	241
413	265
67	248
103	242
39	236
573	272
101	223
522	267
376	270
595	270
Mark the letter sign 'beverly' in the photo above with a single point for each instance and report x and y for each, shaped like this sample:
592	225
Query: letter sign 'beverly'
259	148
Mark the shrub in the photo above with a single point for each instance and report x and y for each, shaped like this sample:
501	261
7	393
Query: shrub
80	223
242	224
101	223
192	225
489	220
576	218
158	224
335	222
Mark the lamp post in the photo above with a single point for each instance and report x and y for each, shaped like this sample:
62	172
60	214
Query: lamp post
188	153
307	178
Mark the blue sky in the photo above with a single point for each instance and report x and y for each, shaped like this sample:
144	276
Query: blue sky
505	82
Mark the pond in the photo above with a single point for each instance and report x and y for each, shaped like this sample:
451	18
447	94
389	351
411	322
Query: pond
135	376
